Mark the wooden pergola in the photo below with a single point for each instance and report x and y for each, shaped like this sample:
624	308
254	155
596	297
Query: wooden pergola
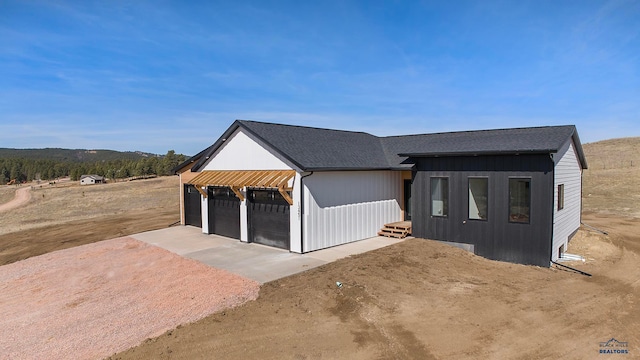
236	180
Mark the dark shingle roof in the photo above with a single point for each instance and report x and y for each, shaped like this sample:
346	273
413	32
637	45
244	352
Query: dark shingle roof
325	149
547	139
314	148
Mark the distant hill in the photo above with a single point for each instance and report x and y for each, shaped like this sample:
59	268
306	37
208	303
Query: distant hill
24	165
613	153
611	184
72	155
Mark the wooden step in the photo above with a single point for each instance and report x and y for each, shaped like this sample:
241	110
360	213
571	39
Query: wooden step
398	230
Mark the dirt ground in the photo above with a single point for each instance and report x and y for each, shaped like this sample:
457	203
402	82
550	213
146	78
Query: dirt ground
421	299
68	215
24	244
65	202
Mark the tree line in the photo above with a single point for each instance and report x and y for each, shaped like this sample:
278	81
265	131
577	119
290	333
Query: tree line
25	170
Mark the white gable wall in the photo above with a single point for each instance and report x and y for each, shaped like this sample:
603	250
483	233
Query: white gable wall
241	152
566	221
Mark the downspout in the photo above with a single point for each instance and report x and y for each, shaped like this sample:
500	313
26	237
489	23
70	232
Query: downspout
581	190
302	211
553	208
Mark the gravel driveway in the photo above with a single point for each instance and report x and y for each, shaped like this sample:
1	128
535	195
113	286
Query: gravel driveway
91	301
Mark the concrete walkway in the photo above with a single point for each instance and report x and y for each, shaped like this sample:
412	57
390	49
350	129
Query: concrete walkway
258	262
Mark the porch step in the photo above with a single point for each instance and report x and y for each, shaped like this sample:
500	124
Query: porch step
398	230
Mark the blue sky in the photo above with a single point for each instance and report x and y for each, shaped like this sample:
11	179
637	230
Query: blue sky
160	75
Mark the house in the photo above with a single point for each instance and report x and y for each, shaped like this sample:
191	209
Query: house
91	179
508	194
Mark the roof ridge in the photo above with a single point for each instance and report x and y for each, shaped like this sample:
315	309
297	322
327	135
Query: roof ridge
306	127
478	131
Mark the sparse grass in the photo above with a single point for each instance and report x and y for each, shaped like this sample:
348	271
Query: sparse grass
7	192
611	184
58	204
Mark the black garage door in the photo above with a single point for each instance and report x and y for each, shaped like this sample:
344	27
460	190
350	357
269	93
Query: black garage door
224	212
192	206
268	218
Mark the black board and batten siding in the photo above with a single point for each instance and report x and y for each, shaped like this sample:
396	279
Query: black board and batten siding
496	237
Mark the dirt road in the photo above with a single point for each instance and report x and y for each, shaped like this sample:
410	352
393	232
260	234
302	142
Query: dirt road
23	195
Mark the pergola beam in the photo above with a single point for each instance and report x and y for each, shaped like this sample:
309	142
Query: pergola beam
200	190
236	180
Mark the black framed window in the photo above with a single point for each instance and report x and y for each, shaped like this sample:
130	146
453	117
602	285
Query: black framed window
519	200
439	196
560	197
478	198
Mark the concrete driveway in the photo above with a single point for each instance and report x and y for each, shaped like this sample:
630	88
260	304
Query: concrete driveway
257	262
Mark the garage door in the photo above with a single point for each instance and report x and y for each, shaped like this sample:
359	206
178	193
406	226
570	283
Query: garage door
224	212
192	206
268	218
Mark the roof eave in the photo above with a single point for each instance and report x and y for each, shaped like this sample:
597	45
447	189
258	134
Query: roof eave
479	153
339	168
578	148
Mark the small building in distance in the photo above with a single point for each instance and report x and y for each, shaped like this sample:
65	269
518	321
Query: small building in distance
91	179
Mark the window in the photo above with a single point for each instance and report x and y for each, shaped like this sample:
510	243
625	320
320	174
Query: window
519	200
478	198
439	196
560	197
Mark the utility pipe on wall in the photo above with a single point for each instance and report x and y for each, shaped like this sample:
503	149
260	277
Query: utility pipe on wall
574	269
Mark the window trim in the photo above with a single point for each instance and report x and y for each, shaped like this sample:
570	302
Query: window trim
560	197
529	180
469	178
445	205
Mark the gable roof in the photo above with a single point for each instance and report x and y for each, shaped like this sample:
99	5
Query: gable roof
311	149
94	177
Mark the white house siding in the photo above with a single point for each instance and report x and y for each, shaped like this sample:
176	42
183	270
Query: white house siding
345	206
566	221
88	181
